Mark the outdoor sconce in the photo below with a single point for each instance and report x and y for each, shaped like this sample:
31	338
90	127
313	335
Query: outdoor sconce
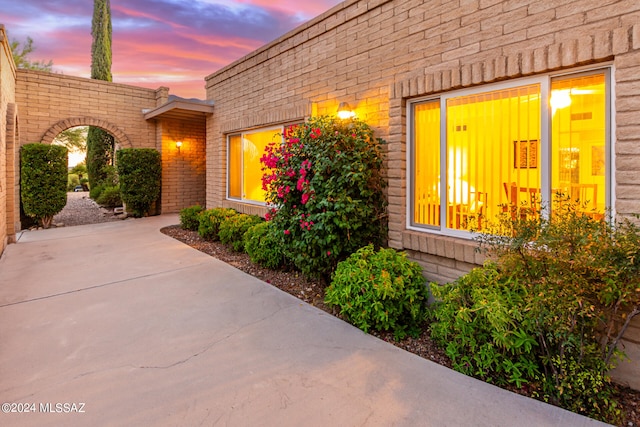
345	111
178	145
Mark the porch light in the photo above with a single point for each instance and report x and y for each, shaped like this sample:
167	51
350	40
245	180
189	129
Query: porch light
345	111
178	145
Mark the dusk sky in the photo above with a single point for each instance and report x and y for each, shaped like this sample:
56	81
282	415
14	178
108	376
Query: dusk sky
174	43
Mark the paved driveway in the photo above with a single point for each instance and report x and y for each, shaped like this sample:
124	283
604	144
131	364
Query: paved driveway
118	324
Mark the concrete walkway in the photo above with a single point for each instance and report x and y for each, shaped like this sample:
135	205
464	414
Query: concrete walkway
134	328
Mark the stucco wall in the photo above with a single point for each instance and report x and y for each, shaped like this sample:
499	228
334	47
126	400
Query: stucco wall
378	54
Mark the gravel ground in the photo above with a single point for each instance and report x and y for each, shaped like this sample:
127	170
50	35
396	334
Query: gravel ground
80	210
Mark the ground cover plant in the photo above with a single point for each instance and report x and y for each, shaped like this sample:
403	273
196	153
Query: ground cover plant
549	310
326	188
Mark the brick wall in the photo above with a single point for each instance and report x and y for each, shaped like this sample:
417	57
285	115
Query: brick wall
7	139
183	171
378	54
50	103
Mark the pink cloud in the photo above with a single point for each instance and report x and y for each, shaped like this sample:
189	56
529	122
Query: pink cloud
157	42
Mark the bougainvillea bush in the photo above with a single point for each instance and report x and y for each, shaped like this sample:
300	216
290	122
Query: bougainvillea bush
326	188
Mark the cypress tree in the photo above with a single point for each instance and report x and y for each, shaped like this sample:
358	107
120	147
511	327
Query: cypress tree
100	144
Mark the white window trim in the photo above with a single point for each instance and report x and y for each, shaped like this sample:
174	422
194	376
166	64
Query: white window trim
544	81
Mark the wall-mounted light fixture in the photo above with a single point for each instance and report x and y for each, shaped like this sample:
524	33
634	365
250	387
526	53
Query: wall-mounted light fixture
345	111
178	145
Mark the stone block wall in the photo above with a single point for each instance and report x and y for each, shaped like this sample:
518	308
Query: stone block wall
378	54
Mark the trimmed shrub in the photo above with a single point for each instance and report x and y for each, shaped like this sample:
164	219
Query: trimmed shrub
380	290
189	217
209	222
263	243
326	184
139	171
110	197
232	230
43	181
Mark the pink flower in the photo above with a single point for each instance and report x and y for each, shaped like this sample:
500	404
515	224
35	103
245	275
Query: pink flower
328	253
287	232
305	198
301	183
316	132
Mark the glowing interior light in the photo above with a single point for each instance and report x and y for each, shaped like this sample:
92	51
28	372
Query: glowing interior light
560	99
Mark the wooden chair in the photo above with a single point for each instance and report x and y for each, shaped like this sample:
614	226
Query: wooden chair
521	206
475	210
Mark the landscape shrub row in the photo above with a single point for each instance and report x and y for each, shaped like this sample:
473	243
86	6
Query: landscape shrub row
545	314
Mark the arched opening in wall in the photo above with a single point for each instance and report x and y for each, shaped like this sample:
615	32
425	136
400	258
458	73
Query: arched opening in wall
93	192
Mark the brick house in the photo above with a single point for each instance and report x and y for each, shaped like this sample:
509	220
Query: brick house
483	103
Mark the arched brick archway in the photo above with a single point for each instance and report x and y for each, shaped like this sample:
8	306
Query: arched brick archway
62	125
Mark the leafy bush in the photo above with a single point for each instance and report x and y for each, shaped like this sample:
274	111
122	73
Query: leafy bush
43	181
325	182
189	217
232	230
209	222
263	243
139	171
550	311
110	197
100	144
382	290
482	325
96	191
72	181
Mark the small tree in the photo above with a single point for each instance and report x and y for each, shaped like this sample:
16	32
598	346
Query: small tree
43	185
139	170
21	56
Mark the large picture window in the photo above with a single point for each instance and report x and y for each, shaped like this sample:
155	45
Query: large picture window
244	170
476	154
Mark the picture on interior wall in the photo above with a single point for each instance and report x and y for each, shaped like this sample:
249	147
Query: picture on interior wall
525	154
597	160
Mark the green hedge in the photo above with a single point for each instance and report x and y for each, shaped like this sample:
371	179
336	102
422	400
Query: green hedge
189	217
263	243
139	171
210	221
232	229
43	185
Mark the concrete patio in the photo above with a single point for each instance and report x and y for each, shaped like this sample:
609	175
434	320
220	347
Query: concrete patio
136	328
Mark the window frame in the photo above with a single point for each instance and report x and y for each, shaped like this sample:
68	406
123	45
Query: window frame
228	160
546	167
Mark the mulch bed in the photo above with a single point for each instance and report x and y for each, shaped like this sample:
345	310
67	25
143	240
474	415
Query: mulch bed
312	292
